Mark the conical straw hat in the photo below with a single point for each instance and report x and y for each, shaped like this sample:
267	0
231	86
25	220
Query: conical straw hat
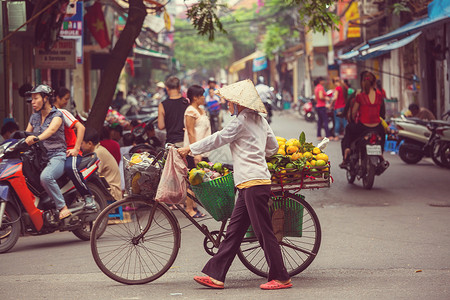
243	93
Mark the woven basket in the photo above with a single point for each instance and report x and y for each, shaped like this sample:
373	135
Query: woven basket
217	196
293	216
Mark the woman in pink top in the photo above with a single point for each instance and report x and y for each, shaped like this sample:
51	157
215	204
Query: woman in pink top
321	102
338	103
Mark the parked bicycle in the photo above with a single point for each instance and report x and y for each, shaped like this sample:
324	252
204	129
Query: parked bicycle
144	245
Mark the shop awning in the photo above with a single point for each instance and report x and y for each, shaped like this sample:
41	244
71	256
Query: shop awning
240	64
438	14
148	52
367	51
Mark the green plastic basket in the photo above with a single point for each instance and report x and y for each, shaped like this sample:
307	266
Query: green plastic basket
293	216
217	196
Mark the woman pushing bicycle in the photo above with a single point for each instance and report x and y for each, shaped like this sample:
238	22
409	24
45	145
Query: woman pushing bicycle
251	140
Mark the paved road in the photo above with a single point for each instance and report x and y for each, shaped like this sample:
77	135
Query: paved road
385	243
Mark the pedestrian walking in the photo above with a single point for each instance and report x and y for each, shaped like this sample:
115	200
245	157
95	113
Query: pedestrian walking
251	139
171	112
321	108
338	105
197	127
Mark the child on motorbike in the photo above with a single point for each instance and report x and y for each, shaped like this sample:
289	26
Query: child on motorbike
251	139
74	132
46	124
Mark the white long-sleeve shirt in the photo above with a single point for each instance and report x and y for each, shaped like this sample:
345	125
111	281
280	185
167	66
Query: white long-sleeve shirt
251	140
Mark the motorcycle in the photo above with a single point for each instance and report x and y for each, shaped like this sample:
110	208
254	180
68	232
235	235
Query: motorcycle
307	109
419	138
26	208
366	159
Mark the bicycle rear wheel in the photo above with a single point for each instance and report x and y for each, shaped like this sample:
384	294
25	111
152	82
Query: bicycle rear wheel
299	244
123	253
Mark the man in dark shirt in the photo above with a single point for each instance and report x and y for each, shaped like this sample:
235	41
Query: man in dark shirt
171	112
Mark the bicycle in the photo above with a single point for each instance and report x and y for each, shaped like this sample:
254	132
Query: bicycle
143	246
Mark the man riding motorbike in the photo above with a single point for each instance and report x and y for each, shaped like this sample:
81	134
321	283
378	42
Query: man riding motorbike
266	95
46	124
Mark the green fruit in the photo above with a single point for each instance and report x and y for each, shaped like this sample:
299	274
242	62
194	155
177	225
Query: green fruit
217	167
289	166
270	166
203	164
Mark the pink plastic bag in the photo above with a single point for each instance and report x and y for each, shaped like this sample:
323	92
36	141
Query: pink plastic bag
172	186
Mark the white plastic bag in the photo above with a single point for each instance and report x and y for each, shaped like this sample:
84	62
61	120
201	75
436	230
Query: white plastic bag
172	186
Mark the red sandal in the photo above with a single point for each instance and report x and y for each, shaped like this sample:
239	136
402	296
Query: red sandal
206	281
275	285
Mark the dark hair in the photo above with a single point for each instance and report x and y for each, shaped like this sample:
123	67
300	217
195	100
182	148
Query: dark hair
411	107
347	82
379	84
128	139
104	135
195	91
116	127
367	81
172	83
91	135
62	91
9	127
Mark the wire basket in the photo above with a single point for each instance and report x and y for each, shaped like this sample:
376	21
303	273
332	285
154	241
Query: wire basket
217	196
293	179
141	178
293	216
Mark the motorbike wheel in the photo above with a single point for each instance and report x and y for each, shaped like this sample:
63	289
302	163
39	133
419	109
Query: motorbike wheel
445	155
436	154
350	177
369	177
408	156
310	117
10	230
84	233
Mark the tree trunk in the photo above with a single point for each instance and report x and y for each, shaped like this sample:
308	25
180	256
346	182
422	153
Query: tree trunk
110	75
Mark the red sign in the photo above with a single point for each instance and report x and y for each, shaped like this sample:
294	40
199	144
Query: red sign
348	71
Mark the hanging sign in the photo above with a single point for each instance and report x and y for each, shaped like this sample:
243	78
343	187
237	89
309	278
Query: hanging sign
62	56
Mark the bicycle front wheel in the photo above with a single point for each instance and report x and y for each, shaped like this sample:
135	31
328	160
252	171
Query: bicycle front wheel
136	247
299	242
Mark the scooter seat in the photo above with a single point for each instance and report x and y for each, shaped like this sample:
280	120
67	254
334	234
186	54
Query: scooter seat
88	160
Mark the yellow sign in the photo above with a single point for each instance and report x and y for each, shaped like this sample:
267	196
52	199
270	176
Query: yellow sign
352	14
167	20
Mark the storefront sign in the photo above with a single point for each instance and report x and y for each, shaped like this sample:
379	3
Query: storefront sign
16	15
62	56
259	64
72	28
348	71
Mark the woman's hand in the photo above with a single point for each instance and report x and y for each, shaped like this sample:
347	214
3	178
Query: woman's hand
184	151
30	140
72	152
197	159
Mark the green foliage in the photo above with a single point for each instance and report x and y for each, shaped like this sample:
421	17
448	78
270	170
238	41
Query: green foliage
313	13
316	15
197	52
274	39
204	17
399	7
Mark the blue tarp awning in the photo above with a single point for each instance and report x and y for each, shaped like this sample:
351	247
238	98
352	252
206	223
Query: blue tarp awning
438	13
367	51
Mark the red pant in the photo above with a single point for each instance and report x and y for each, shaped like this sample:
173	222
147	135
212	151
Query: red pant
251	208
